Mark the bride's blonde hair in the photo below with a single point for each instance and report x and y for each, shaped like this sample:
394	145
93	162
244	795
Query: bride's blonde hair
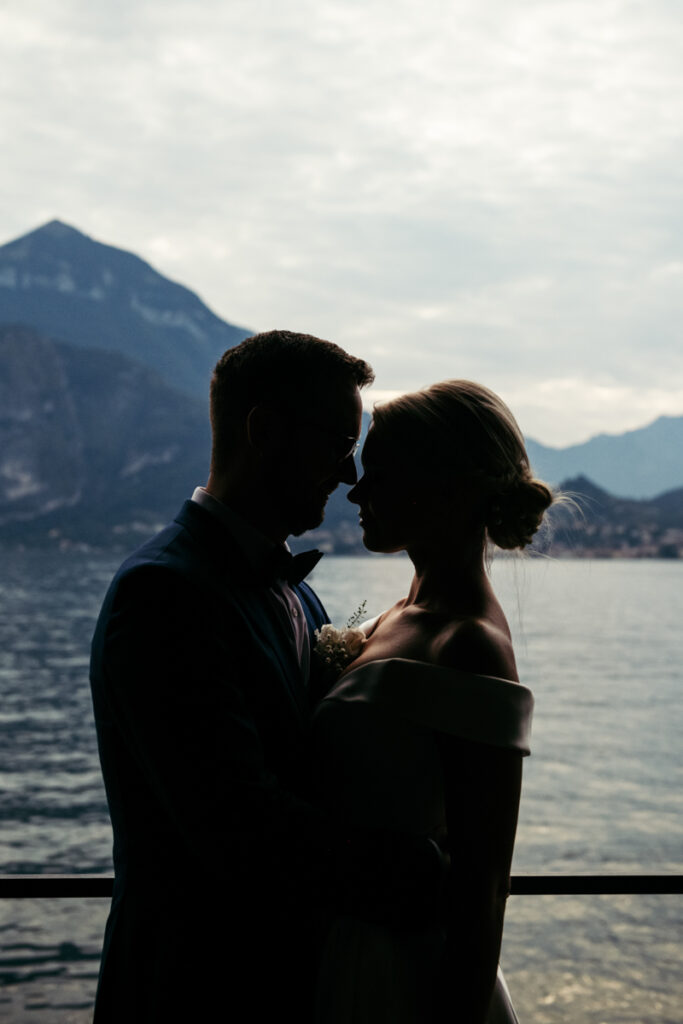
458	431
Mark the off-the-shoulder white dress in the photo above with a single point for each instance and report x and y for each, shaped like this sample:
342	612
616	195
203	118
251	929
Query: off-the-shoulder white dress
375	736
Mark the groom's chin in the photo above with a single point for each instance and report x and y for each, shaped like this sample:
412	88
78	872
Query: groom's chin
306	519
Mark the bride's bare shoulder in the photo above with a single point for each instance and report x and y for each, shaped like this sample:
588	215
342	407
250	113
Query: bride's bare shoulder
480	646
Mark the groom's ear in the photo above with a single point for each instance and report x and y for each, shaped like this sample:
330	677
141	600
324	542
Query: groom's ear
265	429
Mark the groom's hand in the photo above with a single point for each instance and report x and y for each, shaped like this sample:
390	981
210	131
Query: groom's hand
394	878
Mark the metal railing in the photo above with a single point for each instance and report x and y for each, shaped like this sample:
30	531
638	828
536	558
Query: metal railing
85	886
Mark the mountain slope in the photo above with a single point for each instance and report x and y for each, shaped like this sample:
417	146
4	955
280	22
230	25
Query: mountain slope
41	443
64	284
91	442
640	463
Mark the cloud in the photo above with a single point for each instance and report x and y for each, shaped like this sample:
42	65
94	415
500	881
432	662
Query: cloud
487	190
556	401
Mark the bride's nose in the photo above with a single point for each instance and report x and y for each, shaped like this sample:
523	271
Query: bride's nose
355	492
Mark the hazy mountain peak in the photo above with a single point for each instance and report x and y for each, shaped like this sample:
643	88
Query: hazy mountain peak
58	280
59	244
57	229
584	486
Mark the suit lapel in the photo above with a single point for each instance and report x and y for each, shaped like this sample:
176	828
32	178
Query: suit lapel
231	577
316	616
268	621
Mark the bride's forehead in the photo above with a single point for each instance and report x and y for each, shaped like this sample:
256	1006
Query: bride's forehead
404	454
377	447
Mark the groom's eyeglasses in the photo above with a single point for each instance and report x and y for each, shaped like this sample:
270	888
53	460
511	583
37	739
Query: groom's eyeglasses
344	446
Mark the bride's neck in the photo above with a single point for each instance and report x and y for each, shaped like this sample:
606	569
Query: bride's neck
448	577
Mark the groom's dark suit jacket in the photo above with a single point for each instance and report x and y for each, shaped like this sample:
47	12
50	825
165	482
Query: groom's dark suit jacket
203	724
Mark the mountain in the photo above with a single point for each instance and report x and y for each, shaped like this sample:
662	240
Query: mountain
599	524
68	286
640	463
92	444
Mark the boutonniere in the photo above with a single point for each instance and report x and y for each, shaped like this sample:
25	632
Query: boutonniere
338	647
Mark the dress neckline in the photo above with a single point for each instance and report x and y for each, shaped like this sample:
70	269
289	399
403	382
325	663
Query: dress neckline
481	708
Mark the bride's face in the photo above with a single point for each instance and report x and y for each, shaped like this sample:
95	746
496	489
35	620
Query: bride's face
390	507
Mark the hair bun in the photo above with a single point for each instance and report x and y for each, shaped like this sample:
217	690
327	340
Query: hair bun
459	432
516	513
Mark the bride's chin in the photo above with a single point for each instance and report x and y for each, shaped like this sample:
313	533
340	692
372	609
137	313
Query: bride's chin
374	543
369	541
370	546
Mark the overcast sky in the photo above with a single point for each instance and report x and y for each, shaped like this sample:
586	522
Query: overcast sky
489	189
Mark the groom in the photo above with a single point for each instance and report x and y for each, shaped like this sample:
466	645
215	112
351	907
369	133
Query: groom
201	680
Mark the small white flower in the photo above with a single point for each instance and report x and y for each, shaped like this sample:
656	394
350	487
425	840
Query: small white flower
354	640
339	647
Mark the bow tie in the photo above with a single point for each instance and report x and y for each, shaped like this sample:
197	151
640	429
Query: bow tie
294	568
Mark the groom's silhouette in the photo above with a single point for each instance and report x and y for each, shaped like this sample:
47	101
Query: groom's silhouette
200	679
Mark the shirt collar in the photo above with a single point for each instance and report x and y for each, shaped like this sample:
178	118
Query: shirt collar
258	550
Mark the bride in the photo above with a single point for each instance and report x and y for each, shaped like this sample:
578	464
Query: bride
425	730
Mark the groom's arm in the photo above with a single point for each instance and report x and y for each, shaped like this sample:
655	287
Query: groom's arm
179	704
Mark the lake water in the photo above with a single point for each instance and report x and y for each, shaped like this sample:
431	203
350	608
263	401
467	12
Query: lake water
600	644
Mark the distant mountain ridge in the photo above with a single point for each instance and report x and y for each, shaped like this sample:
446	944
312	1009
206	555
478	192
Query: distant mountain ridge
639	463
68	286
602	525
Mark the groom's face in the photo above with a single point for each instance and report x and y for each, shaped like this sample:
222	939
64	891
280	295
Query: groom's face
317	453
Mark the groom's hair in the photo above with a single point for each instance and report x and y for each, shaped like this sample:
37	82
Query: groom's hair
272	368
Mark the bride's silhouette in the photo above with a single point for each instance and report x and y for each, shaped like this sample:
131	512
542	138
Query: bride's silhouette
425	730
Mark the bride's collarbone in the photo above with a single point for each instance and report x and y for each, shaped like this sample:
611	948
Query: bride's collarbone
406	632
475	643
